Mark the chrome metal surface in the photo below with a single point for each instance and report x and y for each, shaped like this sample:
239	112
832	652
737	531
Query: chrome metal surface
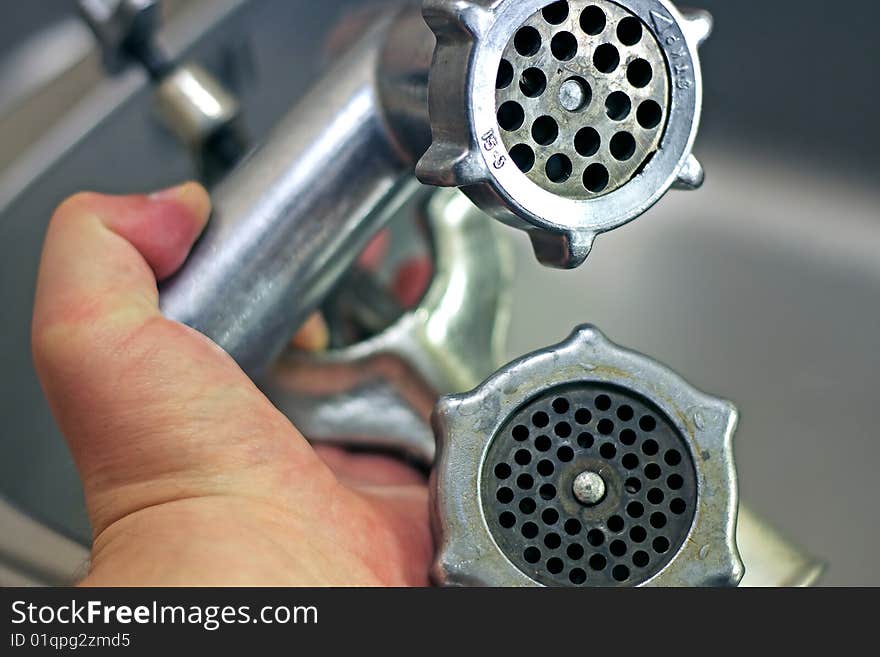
589	487
770	559
84	107
380	392
111	142
282	232
281	229
759	236
582	97
194	104
471	150
334	397
118	23
468	425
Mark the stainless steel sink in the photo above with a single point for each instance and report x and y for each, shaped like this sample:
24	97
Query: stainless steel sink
764	287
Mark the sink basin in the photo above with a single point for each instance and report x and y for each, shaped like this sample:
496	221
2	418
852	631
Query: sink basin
763	287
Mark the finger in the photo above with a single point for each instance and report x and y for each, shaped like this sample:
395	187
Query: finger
372	256
313	335
358	470
411	280
406	510
151	409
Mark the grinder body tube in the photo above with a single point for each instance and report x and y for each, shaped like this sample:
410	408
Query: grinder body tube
292	218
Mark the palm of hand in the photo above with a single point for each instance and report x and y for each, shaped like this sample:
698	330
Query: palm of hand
191	476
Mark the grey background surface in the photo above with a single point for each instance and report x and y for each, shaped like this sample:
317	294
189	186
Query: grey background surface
798	76
763	287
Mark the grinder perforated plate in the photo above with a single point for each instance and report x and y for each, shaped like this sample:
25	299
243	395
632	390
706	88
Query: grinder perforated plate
584	464
582	96
650	487
567	119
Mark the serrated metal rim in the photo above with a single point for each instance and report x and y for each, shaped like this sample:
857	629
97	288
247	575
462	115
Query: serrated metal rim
633	199
464	425
498	186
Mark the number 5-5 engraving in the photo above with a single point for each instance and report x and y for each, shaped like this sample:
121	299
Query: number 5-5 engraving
490	143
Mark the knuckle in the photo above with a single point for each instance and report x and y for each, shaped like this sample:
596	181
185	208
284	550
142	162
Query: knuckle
74	206
59	343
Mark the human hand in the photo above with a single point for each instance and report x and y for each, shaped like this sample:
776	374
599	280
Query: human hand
191	475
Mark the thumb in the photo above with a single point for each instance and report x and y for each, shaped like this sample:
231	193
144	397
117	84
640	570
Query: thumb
152	410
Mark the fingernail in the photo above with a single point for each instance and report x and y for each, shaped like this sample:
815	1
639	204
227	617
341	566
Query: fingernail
191	194
168	194
313	336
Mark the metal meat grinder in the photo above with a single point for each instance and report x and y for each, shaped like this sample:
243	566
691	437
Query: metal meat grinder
583	464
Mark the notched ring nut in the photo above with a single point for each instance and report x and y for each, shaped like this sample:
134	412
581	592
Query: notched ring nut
566	126
581	465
